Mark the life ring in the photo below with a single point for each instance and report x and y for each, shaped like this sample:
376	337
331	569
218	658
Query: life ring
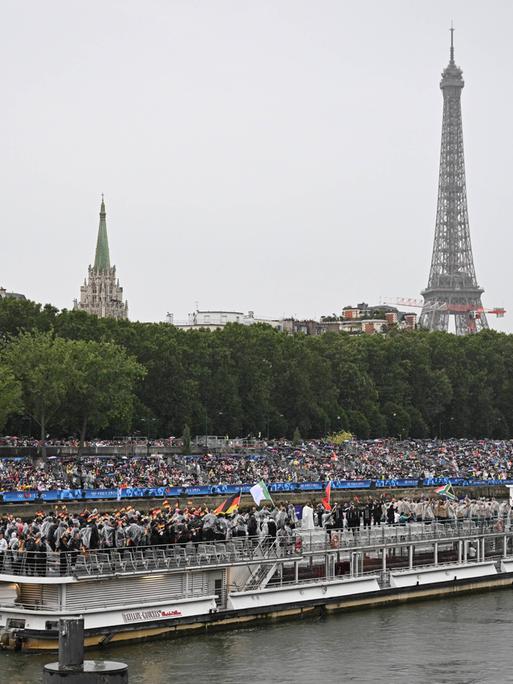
298	545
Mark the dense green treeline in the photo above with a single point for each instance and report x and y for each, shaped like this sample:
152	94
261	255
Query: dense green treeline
250	380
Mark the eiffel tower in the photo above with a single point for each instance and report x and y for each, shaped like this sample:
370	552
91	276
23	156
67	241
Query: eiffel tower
452	287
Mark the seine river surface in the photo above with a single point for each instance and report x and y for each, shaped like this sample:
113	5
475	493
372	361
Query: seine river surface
454	641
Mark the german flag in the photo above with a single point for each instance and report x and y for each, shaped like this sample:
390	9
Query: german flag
229	506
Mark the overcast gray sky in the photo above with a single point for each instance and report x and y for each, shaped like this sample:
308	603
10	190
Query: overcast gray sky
273	155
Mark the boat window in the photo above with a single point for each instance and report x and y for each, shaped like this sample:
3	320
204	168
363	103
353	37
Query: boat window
52	624
15	623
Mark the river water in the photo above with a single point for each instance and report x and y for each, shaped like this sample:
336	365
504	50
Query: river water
462	640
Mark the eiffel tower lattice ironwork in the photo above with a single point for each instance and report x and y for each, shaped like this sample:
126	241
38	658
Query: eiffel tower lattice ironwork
452	288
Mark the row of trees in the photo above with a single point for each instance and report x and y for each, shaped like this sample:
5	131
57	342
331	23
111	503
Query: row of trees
57	382
76	374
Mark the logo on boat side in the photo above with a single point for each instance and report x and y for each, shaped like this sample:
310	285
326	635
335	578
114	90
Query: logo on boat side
158	614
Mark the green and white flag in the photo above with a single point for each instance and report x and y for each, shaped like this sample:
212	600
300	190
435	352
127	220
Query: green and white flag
260	493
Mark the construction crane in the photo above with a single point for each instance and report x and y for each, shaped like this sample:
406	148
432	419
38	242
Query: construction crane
402	301
474	312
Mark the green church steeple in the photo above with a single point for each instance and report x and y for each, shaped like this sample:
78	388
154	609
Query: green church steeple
102	258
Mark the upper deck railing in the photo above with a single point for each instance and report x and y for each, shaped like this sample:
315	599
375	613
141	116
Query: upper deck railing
137	559
379	535
141	559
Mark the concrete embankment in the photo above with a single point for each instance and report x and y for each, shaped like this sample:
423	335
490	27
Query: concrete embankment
26	510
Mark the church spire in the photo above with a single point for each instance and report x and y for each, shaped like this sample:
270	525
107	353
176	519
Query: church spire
101	294
102	258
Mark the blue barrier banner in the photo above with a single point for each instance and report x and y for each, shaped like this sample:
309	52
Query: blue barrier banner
309	486
436	481
171	491
101	493
152	492
225	489
276	487
197	491
396	483
10	497
283	487
484	483
62	495
351	484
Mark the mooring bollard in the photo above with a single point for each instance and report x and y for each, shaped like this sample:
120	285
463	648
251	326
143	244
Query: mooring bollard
71	644
71	666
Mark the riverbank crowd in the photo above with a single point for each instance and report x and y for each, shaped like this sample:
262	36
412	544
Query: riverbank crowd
278	461
67	532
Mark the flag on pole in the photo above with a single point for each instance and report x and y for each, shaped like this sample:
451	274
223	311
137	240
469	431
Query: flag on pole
229	506
446	490
260	493
327	497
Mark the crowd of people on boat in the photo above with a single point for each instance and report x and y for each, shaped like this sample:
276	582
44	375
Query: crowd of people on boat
279	461
71	534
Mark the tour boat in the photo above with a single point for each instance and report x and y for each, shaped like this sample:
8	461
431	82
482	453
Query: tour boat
142	592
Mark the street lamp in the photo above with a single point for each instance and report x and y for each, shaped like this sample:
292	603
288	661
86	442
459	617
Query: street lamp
394	415
452	427
147	422
219	413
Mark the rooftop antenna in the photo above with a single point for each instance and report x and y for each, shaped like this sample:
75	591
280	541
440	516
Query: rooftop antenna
452	43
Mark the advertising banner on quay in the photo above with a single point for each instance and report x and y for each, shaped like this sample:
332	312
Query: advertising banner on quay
20	497
382	484
124	493
350	484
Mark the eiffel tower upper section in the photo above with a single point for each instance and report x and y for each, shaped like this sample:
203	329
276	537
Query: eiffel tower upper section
452	288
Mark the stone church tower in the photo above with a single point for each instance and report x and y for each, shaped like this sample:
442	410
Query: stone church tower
101	294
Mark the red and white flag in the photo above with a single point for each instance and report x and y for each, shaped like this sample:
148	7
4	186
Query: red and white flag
327	497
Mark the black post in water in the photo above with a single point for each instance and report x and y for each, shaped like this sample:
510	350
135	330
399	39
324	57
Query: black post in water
71	644
71	666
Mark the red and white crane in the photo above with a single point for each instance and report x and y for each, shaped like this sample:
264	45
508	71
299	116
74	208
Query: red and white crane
473	311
